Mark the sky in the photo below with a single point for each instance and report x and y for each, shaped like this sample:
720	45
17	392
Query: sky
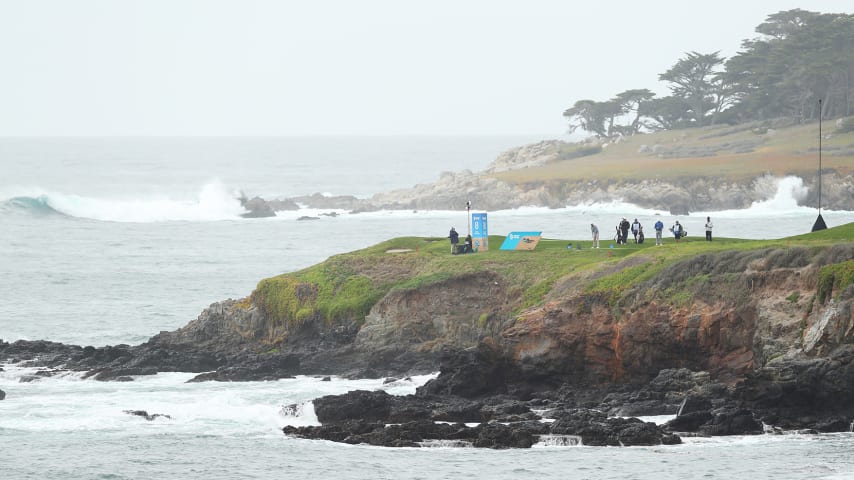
344	67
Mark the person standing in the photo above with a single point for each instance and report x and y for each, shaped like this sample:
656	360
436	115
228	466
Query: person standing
635	228
595	231
658	228
455	239
624	229
677	231
708	229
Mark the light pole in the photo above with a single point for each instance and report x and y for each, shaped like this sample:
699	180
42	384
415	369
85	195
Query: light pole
468	217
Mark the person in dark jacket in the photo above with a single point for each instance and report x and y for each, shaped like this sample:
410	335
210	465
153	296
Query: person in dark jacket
455	239
624	229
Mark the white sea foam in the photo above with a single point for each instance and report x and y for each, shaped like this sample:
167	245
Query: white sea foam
213	202
558	441
67	402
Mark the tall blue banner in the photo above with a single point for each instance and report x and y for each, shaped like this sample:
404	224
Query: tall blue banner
479	232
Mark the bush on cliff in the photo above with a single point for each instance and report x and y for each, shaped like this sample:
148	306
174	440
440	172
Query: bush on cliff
834	278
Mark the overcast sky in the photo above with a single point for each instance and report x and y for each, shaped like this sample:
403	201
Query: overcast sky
355	67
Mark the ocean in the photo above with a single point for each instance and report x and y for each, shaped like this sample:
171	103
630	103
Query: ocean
106	241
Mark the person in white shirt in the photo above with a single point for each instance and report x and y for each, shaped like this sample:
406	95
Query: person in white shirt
595	231
708	229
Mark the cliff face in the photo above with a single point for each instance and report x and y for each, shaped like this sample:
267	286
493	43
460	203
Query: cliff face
744	312
733	314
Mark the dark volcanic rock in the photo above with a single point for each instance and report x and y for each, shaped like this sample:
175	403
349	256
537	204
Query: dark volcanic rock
694	403
612	432
471	373
689	422
2	395
254	368
358	404
732	421
497	435
597	429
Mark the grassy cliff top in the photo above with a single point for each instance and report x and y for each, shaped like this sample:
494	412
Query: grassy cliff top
346	286
730	152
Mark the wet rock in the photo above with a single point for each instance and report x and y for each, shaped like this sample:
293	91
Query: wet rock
257	207
597	429
732	421
833	425
498	435
358	404
263	367
471	373
694	403
2	395
689	422
144	414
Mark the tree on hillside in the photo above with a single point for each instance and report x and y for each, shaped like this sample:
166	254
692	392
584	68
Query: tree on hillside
696	80
802	57
782	25
591	116
632	103
665	113
604	118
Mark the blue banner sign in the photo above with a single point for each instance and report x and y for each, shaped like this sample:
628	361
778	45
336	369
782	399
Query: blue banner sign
521	241
479	232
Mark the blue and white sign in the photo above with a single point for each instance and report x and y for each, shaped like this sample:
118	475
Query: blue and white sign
479	232
521	241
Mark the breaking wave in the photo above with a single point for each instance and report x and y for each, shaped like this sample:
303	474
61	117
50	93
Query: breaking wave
213	202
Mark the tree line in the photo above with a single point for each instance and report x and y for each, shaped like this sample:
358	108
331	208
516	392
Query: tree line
799	58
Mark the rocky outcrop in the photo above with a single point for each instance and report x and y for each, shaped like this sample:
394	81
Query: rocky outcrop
377	418
678	196
257	207
729	340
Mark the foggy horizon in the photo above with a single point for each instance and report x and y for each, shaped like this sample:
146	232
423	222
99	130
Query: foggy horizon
195	68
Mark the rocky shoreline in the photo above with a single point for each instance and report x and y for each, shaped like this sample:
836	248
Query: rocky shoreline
746	356
453	189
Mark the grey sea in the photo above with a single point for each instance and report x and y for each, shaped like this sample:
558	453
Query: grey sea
106	241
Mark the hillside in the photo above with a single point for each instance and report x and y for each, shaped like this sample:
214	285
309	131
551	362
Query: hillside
399	305
730	153
681	171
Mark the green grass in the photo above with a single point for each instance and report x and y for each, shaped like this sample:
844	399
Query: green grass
834	278
345	287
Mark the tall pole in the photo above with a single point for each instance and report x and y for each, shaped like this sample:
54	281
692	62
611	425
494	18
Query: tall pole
468	216
819	222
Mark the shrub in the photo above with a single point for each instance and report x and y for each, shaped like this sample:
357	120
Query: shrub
834	277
